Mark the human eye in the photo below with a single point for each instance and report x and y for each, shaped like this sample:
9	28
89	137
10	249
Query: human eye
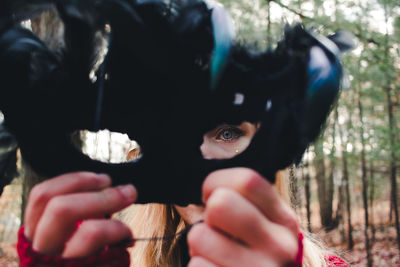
228	133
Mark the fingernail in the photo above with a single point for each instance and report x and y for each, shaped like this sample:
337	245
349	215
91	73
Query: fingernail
129	192
104	179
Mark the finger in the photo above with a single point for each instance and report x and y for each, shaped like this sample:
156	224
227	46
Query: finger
64	184
234	215
200	262
61	214
257	190
94	235
216	248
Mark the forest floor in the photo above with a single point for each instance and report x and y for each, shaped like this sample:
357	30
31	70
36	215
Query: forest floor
384	248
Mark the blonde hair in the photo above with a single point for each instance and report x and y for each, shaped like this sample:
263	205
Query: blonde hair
153	220
156	220
314	252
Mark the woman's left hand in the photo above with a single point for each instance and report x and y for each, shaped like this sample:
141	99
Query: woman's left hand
246	223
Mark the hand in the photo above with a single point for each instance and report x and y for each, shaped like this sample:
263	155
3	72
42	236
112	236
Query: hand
246	223
56	205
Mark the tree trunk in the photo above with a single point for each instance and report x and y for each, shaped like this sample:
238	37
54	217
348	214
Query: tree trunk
269	34
364	180
371	200
331	184
345	179
348	204
324	190
340	210
339	207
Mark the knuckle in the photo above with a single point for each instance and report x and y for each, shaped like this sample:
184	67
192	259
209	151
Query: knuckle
87	178
39	194
220	206
196	262
117	197
215	177
80	175
119	227
209	180
290	220
250	181
285	248
196	234
79	180
91	234
84	177
218	201
110	197
57	207
292	223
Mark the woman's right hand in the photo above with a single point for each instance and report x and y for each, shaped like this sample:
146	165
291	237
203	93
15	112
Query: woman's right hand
55	207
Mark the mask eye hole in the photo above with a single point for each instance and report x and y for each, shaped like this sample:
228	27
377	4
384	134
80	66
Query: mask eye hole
226	141
106	146
228	133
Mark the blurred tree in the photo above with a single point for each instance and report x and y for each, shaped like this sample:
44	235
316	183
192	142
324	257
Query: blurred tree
325	186
364	177
345	181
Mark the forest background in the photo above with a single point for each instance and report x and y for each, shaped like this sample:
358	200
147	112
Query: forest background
346	188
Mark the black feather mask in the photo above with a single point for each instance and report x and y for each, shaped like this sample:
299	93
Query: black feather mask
172	73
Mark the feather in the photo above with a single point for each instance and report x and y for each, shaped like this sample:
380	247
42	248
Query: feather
344	40
224	35
322	89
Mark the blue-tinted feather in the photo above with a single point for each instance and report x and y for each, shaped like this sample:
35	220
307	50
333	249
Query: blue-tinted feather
224	35
323	75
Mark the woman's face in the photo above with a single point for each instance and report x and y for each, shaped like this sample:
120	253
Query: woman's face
223	142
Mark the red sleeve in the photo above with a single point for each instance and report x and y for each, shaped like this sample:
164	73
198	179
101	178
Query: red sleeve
334	261
298	261
110	256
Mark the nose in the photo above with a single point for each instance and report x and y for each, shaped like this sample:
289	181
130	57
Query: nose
205	152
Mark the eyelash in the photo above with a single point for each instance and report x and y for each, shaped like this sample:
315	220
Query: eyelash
236	133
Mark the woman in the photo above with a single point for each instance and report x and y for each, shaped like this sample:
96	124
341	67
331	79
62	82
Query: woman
244	221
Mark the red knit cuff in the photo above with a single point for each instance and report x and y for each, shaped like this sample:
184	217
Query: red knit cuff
334	261
298	261
110	256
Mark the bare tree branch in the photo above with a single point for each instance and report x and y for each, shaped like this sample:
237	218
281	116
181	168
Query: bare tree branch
290	9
